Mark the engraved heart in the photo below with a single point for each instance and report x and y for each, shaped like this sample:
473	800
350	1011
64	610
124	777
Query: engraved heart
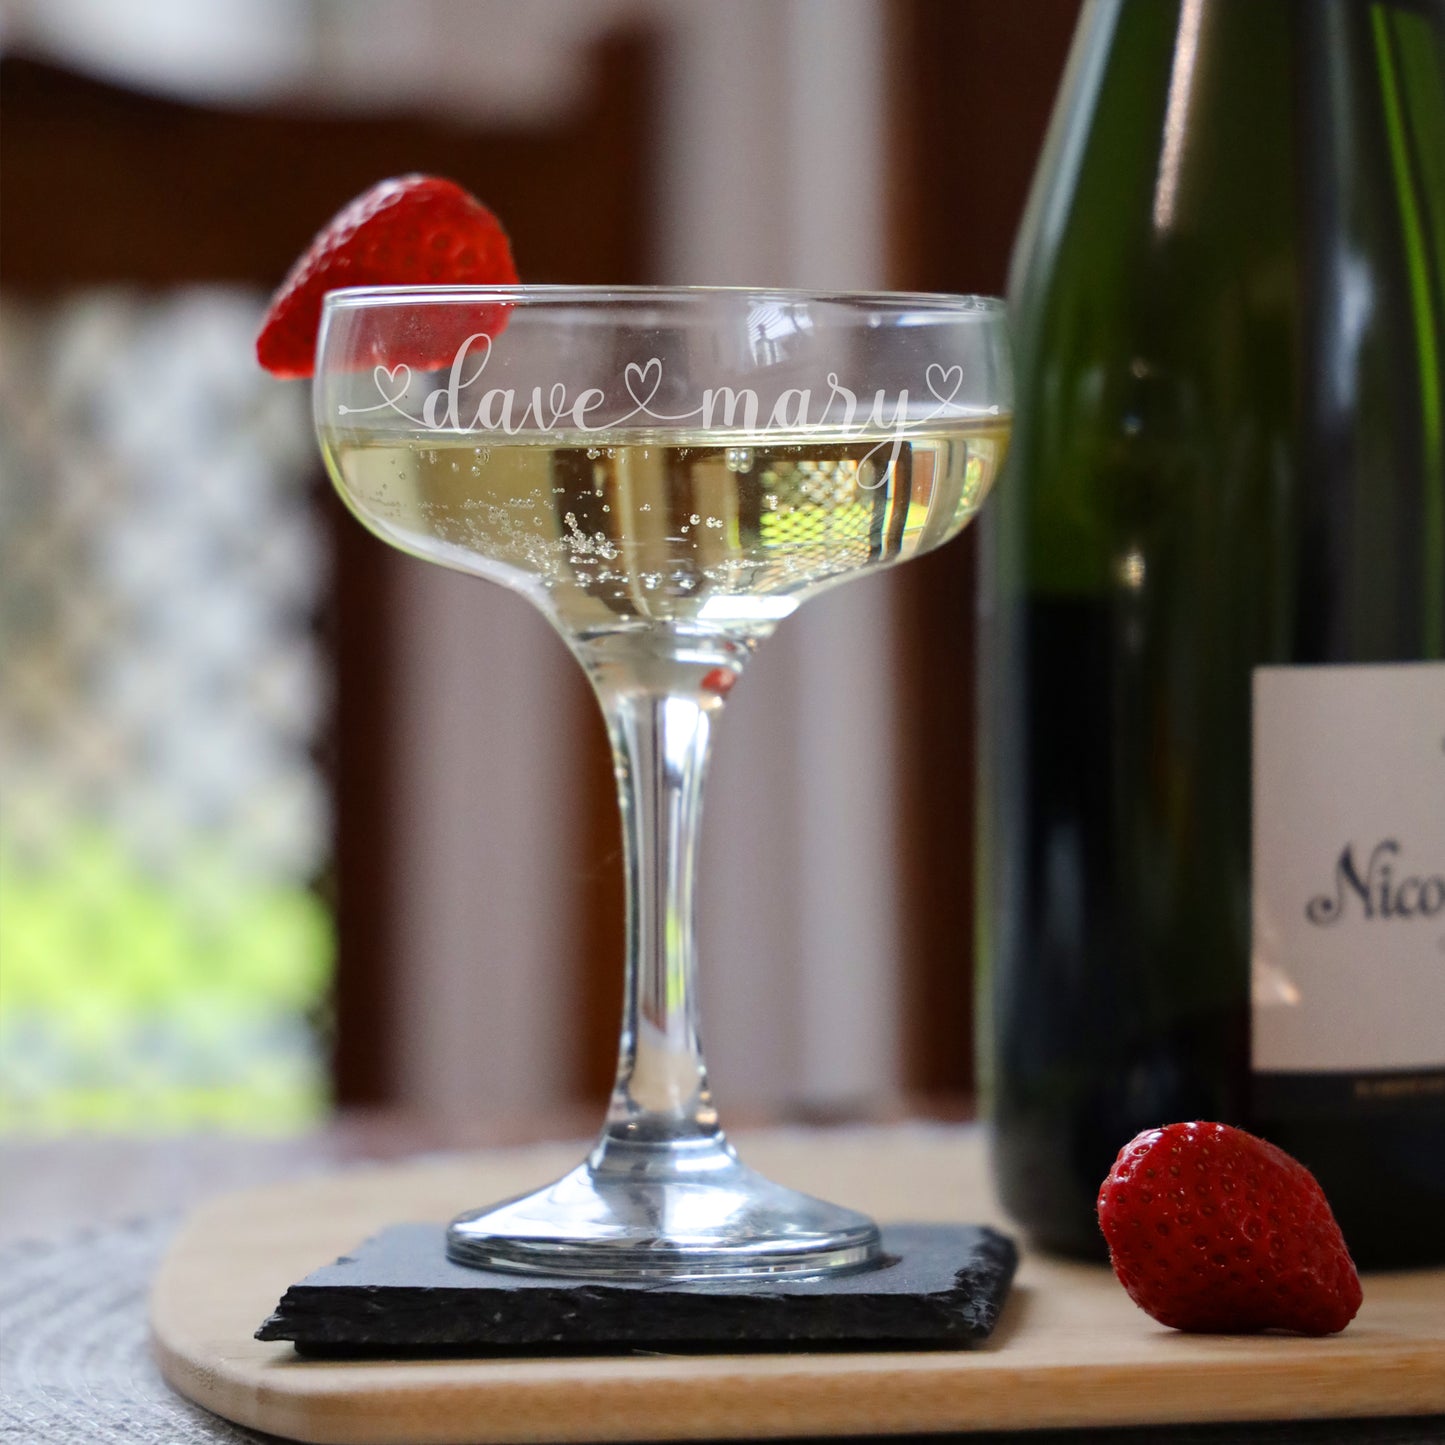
397	378
636	377
937	378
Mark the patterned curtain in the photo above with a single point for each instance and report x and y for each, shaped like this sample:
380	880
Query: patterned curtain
165	950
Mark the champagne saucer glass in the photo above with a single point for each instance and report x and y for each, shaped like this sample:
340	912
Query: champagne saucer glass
666	474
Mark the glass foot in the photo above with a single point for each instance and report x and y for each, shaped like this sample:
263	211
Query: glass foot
665	1211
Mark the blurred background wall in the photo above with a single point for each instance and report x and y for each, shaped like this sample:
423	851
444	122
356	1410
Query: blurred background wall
286	818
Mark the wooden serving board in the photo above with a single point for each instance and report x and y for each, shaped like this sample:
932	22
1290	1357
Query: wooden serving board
1070	1349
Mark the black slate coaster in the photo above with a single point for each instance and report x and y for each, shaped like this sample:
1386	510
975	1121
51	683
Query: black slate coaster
943	1287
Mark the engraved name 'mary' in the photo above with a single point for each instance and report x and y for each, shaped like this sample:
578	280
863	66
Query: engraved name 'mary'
1376	890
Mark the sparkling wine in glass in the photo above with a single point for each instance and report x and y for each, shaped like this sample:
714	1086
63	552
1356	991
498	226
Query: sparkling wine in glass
666	474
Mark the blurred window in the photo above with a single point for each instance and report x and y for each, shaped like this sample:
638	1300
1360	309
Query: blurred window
165	954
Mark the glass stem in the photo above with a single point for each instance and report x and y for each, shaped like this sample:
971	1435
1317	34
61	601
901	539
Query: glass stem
659	717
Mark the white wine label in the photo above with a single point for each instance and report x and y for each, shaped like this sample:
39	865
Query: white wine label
1348	962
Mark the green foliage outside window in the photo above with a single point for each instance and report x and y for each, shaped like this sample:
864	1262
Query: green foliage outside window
131	998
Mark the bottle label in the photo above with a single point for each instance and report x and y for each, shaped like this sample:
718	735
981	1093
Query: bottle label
1348	959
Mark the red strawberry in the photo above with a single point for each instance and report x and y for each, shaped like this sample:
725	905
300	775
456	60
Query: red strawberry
1212	1229
413	230
719	681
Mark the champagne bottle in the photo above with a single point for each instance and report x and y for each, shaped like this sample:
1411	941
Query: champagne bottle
1213	615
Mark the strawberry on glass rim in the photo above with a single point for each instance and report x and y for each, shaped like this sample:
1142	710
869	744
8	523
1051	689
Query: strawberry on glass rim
411	230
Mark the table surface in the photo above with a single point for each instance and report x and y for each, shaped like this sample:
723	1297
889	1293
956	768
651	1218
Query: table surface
51	1186
58	1194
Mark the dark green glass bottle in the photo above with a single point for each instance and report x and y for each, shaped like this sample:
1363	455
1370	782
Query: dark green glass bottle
1228	466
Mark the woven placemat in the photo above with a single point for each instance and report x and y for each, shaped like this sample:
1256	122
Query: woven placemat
75	1364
